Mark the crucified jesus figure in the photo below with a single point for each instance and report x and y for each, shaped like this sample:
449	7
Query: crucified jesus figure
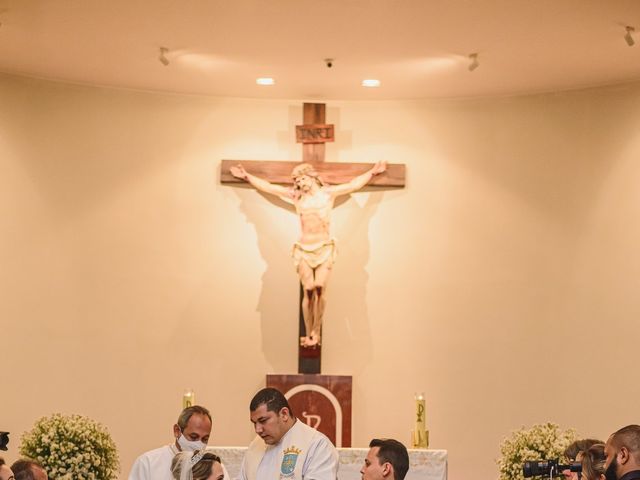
315	251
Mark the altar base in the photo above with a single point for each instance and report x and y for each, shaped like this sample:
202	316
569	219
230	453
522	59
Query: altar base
423	464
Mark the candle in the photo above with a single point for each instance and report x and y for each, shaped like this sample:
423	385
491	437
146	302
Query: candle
188	398
420	435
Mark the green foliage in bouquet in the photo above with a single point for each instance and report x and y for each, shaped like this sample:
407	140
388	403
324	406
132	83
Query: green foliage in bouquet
540	442
72	447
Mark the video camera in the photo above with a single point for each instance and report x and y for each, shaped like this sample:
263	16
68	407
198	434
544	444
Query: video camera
548	468
4	440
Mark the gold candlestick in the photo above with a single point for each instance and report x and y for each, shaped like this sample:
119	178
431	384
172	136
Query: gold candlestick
420	434
188	399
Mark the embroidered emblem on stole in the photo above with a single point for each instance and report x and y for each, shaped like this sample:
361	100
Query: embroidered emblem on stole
289	462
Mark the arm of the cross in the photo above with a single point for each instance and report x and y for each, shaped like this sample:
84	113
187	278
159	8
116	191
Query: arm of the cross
238	171
279	172
358	182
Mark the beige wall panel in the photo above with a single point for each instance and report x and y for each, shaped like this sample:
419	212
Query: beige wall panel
501	281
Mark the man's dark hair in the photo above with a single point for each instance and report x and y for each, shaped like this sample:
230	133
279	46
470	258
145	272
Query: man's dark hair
629	437
24	469
2	462
574	448
187	413
272	398
393	452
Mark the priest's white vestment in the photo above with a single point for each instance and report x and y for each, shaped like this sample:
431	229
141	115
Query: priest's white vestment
301	453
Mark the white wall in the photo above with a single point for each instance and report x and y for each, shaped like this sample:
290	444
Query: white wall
501	280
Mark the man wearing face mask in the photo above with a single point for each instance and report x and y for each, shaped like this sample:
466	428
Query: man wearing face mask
191	433
623	454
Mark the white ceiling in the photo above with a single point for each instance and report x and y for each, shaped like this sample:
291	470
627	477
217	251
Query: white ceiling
416	48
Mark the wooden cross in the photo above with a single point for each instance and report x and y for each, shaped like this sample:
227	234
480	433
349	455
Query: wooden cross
313	135
333	173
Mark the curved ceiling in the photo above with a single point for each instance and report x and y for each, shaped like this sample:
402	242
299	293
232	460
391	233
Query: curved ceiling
416	48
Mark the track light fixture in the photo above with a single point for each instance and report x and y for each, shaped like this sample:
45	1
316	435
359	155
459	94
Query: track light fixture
474	62
163	56
628	36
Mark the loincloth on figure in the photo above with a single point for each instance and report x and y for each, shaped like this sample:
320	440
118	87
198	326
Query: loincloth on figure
315	254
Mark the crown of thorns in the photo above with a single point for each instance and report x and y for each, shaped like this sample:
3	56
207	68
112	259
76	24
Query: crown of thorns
306	169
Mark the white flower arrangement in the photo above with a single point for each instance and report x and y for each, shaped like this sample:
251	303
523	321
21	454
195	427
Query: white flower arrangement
540	442
72	447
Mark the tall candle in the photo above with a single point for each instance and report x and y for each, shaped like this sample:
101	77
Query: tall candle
420	435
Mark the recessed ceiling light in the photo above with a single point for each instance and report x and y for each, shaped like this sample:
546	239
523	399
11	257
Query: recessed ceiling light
265	81
371	82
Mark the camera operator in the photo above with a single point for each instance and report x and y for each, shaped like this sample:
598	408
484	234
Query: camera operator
623	454
574	452
593	463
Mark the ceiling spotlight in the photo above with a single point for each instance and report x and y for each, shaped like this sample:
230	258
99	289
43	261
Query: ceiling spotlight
628	37
474	62
371	82
163	56
265	81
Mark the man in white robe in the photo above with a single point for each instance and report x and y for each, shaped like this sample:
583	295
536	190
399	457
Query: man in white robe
285	448
191	433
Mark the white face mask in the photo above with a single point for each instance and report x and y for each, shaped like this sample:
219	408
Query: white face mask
190	445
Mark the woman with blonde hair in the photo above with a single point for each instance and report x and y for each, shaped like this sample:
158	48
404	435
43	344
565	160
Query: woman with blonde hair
198	465
593	463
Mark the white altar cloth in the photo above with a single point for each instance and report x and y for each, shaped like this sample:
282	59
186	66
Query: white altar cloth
423	464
